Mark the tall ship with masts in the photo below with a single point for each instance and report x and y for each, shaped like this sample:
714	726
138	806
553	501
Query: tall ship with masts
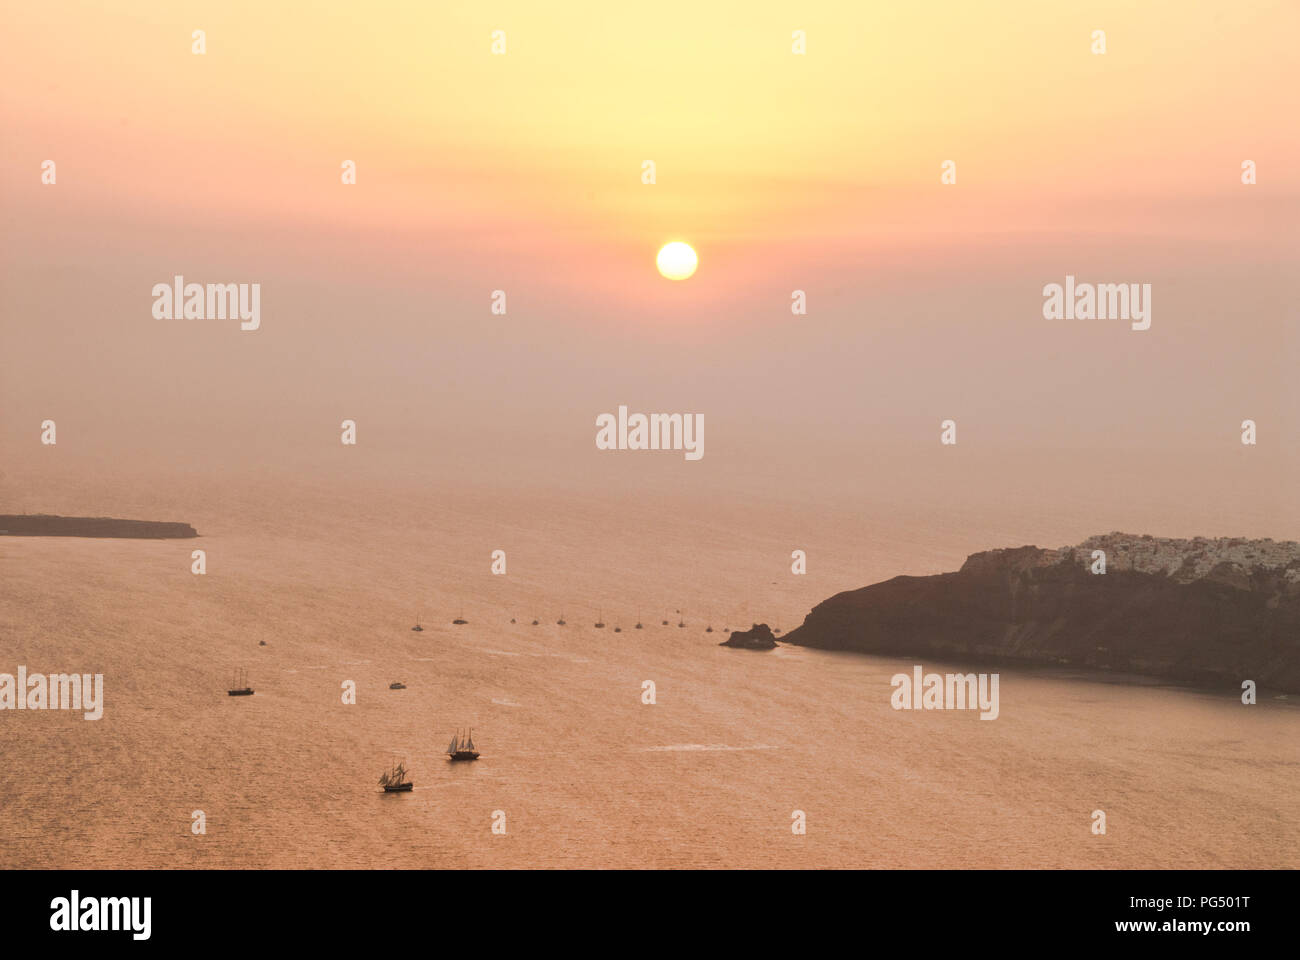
240	687
462	747
394	780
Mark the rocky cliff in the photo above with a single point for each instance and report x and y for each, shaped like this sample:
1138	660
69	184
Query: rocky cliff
1208	611
47	525
759	637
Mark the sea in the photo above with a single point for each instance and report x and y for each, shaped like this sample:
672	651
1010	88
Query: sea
641	748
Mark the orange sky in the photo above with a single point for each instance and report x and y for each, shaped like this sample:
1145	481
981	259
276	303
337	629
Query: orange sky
522	172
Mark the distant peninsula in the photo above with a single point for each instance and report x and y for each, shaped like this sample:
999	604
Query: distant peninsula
48	525
1210	611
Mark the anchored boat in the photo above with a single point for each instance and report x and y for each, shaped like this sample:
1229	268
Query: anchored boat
240	687
462	747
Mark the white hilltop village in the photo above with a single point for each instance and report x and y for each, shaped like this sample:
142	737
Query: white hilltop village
1187	560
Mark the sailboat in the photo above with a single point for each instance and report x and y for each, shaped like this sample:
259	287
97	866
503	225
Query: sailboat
561	621
462	748
638	621
394	780
600	621
417	628
240	687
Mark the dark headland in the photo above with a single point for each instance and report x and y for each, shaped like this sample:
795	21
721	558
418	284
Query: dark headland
48	525
1214	612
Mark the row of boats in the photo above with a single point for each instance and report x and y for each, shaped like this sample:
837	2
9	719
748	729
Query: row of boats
599	624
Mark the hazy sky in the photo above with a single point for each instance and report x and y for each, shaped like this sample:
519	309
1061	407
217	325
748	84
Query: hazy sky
523	172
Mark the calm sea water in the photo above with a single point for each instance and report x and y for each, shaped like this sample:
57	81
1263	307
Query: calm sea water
584	772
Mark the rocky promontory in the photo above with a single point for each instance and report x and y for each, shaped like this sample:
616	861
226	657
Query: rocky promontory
48	525
1209	611
759	637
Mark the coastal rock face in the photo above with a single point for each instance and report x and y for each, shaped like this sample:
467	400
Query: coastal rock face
759	637
47	525
1209	611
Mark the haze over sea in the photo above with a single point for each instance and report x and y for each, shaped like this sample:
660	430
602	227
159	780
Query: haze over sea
850	297
330	563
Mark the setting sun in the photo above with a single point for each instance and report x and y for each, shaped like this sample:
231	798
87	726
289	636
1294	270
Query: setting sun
677	260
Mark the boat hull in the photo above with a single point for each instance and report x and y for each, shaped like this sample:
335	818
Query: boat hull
239	693
400	788
464	755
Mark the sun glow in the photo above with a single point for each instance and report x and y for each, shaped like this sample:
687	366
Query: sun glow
677	260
